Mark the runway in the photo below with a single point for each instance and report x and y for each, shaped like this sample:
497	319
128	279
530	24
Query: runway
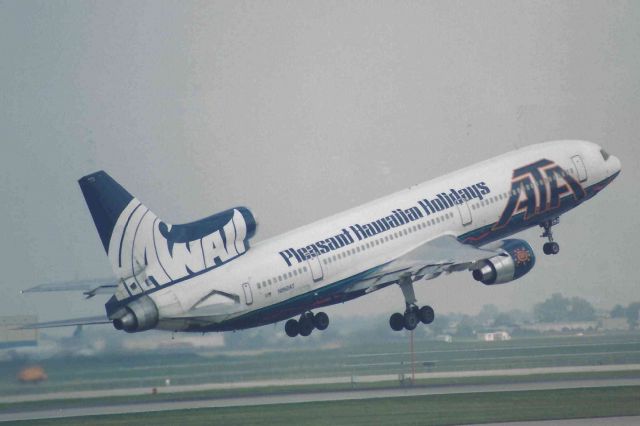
311	397
602	421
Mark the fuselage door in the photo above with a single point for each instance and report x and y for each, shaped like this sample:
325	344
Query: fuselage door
316	268
465	213
248	296
580	168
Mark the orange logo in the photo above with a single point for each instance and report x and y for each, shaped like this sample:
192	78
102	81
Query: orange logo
522	256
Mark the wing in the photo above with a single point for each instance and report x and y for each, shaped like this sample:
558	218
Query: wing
442	254
67	322
427	261
88	287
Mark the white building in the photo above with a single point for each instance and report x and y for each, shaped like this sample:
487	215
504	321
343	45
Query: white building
494	336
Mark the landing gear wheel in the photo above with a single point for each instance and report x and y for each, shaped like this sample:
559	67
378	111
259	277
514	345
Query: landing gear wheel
426	314
321	321
292	328
551	248
396	321
411	319
306	324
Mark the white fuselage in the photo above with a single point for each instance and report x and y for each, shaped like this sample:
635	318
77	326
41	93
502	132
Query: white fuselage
273	274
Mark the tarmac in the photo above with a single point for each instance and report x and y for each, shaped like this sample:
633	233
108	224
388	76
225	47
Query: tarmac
322	396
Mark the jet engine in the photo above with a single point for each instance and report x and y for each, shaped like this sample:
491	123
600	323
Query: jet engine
516	259
139	315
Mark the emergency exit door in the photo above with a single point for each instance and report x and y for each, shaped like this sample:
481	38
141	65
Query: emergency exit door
465	213
248	296
581	170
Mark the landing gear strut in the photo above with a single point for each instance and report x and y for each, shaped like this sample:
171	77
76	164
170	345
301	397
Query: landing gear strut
413	315
551	247
305	325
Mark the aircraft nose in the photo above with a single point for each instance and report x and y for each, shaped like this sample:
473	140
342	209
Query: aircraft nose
613	165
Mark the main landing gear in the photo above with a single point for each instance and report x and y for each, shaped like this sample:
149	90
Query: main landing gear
305	325
413	315
551	247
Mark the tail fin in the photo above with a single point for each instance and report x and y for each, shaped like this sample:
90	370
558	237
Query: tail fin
106	200
146	253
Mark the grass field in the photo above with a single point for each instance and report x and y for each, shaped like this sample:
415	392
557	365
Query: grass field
435	410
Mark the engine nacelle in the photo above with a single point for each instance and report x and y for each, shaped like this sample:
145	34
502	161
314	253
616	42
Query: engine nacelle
139	315
517	259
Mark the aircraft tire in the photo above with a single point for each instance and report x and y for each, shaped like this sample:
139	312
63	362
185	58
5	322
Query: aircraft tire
426	314
551	248
396	321
292	328
411	320
321	321
306	327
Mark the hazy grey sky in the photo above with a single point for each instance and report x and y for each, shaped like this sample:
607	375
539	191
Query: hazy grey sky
302	109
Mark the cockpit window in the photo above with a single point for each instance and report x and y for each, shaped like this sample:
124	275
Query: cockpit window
604	154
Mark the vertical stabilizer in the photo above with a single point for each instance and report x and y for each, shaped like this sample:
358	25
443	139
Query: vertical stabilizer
106	200
147	253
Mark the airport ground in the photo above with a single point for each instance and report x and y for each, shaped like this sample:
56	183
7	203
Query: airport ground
518	367
439	409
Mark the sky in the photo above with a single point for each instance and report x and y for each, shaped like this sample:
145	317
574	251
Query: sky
300	110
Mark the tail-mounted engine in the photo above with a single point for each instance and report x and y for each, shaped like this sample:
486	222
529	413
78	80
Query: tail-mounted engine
139	315
517	259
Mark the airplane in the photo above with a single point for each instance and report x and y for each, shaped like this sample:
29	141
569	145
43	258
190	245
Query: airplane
207	276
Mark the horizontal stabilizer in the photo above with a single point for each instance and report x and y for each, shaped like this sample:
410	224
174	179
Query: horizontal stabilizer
67	323
88	287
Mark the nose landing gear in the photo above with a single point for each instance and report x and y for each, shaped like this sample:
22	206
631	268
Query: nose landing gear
305	325
550	247
413	315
